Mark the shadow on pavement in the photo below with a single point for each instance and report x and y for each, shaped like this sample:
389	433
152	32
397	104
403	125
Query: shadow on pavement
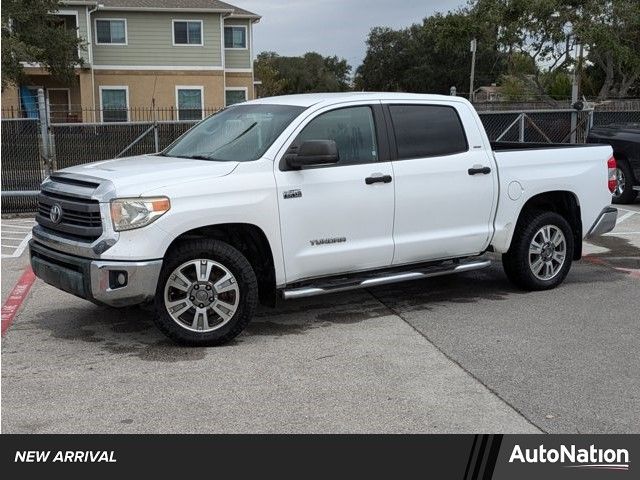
131	331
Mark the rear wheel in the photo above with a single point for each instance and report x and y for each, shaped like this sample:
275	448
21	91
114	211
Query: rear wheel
207	293
541	251
624	192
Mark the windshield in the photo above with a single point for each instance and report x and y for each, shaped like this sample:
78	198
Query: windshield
240	133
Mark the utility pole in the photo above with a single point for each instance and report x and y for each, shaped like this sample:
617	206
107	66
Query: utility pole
575	91
472	47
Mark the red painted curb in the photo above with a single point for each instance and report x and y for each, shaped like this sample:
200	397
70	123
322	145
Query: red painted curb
16	298
595	260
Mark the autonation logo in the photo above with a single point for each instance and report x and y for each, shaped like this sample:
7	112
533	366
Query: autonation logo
573	457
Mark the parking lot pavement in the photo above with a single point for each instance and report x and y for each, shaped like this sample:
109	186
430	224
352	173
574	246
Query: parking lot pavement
15	233
344	364
464	353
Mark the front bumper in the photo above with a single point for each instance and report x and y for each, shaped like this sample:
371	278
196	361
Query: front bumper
605	222
96	280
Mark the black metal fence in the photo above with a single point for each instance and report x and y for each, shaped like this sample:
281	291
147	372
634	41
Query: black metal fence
24	165
22	168
550	126
86	142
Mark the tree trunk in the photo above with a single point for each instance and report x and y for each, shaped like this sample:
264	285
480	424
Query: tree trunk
608	80
626	84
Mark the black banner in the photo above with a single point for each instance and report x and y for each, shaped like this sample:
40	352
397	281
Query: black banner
462	457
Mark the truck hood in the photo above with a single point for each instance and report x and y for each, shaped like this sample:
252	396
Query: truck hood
132	176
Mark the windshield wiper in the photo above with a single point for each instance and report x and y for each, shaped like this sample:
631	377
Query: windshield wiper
191	157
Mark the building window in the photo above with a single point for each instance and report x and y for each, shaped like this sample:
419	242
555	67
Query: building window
187	32
114	104
235	37
111	31
235	95
189	103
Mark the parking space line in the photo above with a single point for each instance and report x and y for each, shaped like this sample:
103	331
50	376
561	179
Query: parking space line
16	298
18	249
625	216
19	227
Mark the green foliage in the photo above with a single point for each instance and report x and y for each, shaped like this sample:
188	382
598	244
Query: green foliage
310	73
432	56
31	35
515	89
547	31
557	85
533	41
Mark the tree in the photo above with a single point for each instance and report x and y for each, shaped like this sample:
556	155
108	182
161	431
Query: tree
547	31
612	36
432	56
310	73
30	34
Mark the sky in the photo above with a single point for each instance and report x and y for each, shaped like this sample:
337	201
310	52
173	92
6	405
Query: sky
332	27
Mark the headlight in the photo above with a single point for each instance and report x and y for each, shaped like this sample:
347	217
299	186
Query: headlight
131	213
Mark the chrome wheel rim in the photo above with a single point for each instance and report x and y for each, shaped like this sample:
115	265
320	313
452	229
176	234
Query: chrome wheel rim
201	295
547	252
620	183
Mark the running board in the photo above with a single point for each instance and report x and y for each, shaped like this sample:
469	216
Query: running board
346	284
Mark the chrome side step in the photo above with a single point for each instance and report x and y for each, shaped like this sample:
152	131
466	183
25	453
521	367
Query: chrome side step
436	271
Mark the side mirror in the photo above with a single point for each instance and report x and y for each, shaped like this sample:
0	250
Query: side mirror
313	153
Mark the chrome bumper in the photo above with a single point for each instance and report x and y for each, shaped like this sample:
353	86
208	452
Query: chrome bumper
605	222
96	280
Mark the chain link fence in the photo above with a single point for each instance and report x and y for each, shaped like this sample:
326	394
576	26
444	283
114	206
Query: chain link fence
22	168
27	159
77	144
541	126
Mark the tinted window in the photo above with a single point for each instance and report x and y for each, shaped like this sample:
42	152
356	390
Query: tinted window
352	129
427	131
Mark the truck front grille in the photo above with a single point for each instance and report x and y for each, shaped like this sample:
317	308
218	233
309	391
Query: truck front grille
79	219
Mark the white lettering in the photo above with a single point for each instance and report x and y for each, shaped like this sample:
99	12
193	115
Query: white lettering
516	454
31	456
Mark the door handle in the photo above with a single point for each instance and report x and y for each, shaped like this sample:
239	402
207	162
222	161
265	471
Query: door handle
377	179
479	169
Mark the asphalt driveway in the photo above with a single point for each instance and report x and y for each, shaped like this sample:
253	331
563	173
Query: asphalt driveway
465	353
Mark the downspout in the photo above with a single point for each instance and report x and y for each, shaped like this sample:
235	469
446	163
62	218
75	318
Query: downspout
253	77
90	45
224	66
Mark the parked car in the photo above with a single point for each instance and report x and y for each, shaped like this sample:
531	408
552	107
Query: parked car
304	195
625	140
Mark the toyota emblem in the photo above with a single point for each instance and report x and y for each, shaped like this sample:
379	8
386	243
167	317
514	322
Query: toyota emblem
55	215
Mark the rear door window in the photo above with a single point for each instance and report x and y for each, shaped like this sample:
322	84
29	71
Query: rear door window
427	131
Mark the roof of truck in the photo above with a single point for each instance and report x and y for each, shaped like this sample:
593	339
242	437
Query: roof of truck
308	99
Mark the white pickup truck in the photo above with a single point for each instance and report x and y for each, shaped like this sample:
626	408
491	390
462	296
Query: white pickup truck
303	195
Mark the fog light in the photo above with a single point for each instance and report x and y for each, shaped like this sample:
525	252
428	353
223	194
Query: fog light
118	279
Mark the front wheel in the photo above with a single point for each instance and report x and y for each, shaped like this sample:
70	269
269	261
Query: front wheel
541	251
206	295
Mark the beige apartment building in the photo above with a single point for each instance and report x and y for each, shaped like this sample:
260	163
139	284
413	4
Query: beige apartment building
179	58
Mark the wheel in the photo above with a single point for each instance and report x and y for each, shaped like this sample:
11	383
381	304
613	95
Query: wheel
541	251
206	295
624	192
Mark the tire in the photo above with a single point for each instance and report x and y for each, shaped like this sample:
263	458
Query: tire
212	300
520	265
624	193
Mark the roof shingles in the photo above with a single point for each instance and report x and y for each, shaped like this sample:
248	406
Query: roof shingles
177	4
